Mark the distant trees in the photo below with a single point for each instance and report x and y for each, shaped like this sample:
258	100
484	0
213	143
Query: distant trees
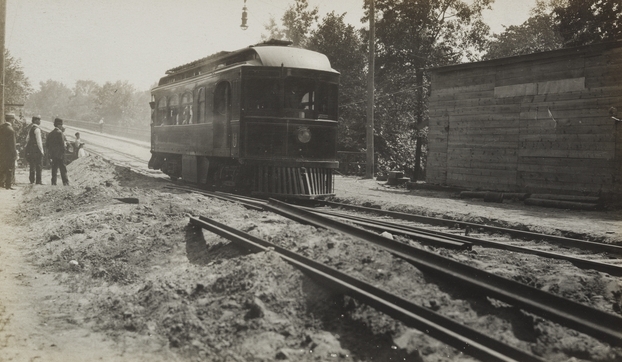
51	100
83	101
119	103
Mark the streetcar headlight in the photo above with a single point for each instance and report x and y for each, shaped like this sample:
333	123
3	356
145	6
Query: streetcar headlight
304	134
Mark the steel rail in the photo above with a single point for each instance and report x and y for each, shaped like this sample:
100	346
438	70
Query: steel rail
446	330
258	206
423	235
426	239
389	226
601	325
423	238
583	244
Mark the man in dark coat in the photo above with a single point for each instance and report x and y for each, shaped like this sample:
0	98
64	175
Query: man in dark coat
34	150
56	151
8	153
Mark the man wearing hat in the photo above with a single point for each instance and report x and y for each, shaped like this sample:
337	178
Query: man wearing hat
56	148
34	150
8	152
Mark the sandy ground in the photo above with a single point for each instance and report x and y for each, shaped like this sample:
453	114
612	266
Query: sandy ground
37	312
86	277
593	225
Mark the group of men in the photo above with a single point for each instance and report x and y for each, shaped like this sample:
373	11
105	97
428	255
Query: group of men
34	150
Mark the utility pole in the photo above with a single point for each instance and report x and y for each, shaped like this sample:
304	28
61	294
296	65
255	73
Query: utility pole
2	41
369	171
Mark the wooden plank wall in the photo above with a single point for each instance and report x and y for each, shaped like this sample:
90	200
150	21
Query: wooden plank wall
540	125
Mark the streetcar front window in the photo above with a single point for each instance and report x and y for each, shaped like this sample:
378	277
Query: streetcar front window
262	96
299	93
300	97
310	98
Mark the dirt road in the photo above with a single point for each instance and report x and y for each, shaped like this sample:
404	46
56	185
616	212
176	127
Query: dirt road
39	316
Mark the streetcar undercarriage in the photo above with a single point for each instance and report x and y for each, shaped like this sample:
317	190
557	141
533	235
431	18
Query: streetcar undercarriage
256	179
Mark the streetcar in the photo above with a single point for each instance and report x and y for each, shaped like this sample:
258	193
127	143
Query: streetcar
259	120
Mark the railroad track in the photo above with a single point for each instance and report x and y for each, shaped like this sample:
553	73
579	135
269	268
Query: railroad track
522	234
611	266
464	339
443	238
561	310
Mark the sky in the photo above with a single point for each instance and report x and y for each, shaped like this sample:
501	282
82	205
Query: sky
138	40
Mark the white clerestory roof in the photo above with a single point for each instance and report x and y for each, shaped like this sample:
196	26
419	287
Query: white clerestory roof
276	56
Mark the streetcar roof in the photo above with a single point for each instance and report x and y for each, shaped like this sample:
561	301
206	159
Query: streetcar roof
265	54
276	56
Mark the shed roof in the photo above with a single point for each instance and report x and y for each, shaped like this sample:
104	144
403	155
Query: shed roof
560	53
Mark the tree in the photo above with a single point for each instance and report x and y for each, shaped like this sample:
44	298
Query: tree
555	24
82	104
411	35
274	31
115	102
297	20
537	34
140	112
52	99
16	85
583	22
342	45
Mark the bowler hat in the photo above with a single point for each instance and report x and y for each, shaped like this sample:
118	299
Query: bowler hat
58	122
36	118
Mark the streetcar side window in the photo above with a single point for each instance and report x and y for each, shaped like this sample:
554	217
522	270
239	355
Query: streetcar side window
173	110
222	99
162	111
186	109
201	106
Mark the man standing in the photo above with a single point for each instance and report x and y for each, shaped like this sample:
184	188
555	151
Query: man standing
8	153
34	150
56	148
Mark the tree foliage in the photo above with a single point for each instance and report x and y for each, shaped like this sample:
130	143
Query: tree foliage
274	31
83	101
342	44
537	34
555	24
119	103
16	85
297	21
411	35
582	22
52	99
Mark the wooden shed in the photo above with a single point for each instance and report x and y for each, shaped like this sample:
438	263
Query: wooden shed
537	123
